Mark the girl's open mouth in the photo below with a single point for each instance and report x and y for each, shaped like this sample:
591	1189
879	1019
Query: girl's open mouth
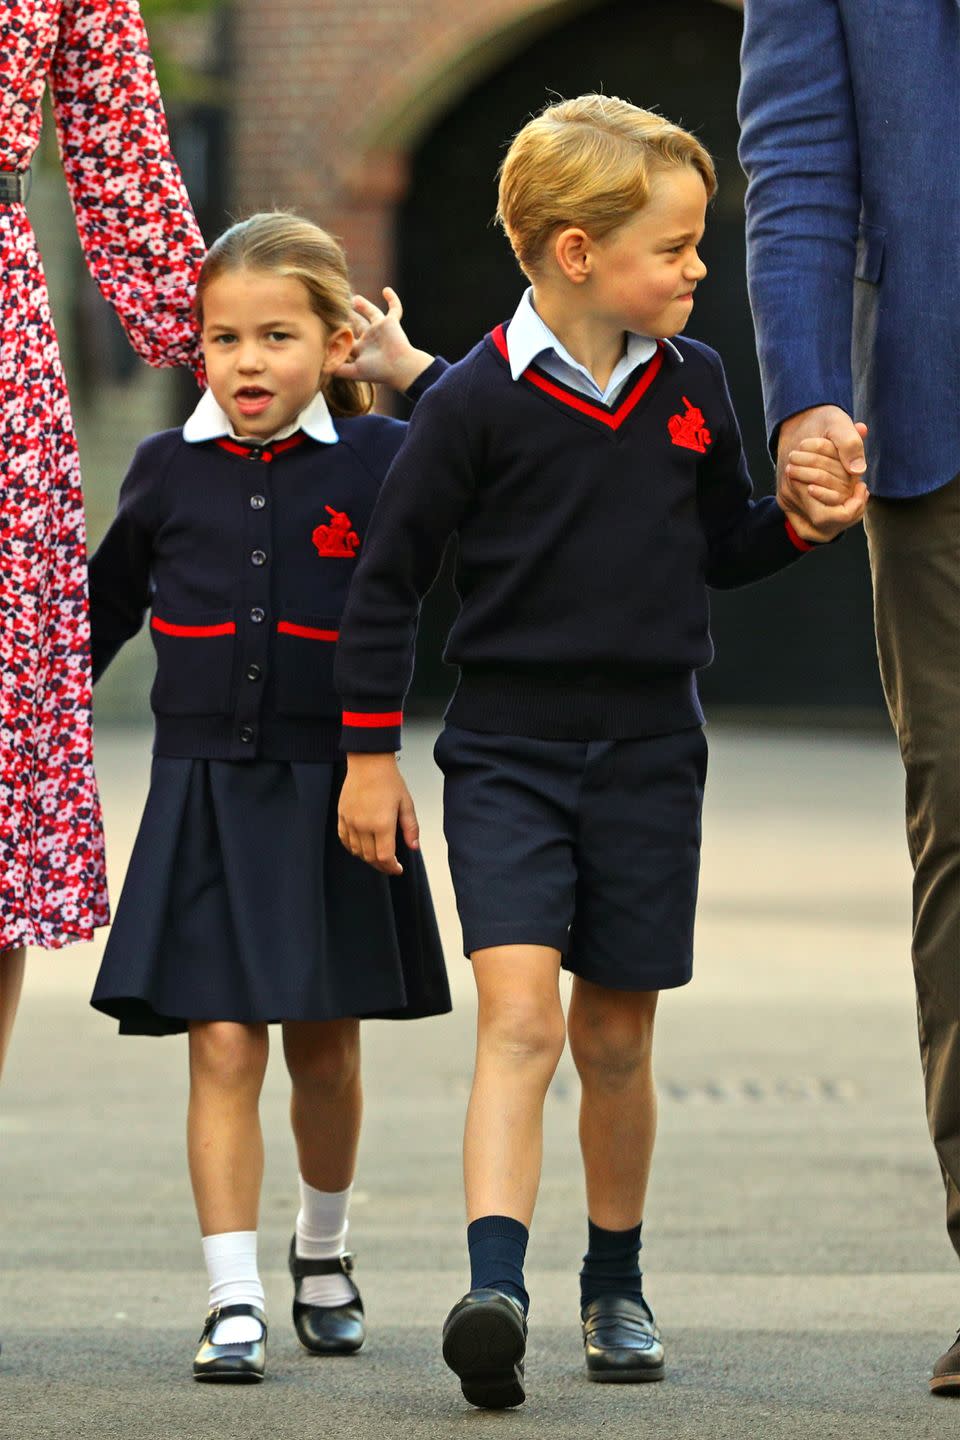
251	400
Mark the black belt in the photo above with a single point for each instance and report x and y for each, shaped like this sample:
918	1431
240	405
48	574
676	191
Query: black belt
14	186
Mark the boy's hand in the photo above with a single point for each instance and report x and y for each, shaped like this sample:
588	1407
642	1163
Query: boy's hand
382	354
373	802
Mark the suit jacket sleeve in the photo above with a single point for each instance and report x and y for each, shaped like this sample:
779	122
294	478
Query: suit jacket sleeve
798	147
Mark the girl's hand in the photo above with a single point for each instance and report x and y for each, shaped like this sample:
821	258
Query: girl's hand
374	803
382	354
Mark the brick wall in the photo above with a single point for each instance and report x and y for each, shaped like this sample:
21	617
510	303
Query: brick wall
331	95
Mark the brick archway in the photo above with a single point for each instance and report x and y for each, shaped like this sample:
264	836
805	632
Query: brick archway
331	95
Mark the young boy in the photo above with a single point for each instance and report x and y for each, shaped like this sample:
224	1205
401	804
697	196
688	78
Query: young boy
593	473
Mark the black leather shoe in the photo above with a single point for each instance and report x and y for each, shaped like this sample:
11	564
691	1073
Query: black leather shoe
327	1329
484	1342
240	1363
621	1341
945	1379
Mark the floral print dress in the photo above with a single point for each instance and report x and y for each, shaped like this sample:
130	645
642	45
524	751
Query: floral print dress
143	248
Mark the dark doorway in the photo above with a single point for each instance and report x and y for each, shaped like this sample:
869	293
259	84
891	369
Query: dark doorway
804	639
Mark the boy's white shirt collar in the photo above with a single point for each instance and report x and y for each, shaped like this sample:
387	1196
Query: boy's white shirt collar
528	336
210	422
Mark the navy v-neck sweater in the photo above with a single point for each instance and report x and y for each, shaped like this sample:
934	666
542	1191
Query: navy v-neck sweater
587	537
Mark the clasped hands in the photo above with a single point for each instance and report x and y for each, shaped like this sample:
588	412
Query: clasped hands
820	470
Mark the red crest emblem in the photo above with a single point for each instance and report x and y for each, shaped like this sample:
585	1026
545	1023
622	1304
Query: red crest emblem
690	429
337	538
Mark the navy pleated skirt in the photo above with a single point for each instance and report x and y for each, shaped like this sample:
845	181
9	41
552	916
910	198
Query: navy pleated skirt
241	904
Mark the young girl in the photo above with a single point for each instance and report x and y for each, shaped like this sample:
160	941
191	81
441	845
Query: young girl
240	907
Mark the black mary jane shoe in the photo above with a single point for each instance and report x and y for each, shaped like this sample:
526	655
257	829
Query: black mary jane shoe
240	1363
327	1329
621	1342
484	1343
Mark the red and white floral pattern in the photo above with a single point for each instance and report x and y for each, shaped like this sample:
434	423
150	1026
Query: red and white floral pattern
143	248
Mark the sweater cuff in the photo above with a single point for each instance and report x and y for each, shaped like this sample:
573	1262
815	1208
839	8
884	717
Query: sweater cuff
805	545
371	732
419	387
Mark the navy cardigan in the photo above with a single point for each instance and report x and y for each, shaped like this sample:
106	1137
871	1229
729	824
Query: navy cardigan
244	554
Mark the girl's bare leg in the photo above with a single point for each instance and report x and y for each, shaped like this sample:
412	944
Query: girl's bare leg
326	1102
224	1140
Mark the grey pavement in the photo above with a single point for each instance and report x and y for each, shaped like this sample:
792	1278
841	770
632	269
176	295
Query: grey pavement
794	1243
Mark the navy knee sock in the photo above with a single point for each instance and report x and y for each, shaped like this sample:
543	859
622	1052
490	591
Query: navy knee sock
498	1245
611	1265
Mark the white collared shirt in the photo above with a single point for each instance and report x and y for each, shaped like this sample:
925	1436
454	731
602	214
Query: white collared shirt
210	422
529	338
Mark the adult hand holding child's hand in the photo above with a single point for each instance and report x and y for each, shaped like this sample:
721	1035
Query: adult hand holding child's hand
820	469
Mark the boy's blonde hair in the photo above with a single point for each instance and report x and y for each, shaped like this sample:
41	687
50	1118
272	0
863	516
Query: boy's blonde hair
285	244
587	162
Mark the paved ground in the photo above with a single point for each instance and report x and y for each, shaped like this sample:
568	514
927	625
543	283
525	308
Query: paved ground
795	1247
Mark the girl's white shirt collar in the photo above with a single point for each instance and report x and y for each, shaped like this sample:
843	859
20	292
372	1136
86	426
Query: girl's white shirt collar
210	422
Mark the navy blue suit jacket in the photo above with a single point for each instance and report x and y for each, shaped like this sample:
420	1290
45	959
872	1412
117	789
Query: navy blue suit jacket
850	115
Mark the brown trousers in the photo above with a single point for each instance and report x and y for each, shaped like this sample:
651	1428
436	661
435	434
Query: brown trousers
915	561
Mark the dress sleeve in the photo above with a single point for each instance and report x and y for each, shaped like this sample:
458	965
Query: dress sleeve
798	146
136	225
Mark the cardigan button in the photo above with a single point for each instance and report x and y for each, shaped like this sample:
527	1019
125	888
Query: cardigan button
258	615
258	557
257	502
246	734
255	452
254	672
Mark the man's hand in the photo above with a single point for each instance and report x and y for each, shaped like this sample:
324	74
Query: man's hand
374	801
822	503
382	354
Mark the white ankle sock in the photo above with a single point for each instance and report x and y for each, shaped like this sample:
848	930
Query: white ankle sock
231	1260
322	1235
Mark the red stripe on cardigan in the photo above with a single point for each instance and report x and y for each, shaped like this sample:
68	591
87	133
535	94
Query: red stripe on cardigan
306	632
193	632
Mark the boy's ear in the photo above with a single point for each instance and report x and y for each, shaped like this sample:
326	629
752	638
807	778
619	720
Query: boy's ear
572	250
339	344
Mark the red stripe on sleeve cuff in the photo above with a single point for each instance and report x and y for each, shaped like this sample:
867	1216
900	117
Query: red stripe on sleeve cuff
795	539
360	720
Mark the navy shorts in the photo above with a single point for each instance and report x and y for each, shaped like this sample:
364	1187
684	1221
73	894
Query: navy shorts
590	847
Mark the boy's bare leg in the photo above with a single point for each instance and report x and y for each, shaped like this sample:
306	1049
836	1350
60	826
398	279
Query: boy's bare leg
224	1140
611	1040
326	1103
520	1037
11	983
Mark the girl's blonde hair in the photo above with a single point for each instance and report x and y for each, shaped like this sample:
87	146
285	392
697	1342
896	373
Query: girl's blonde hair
286	244
587	162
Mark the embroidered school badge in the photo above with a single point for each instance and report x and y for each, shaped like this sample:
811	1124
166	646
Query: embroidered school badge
338	539
690	429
